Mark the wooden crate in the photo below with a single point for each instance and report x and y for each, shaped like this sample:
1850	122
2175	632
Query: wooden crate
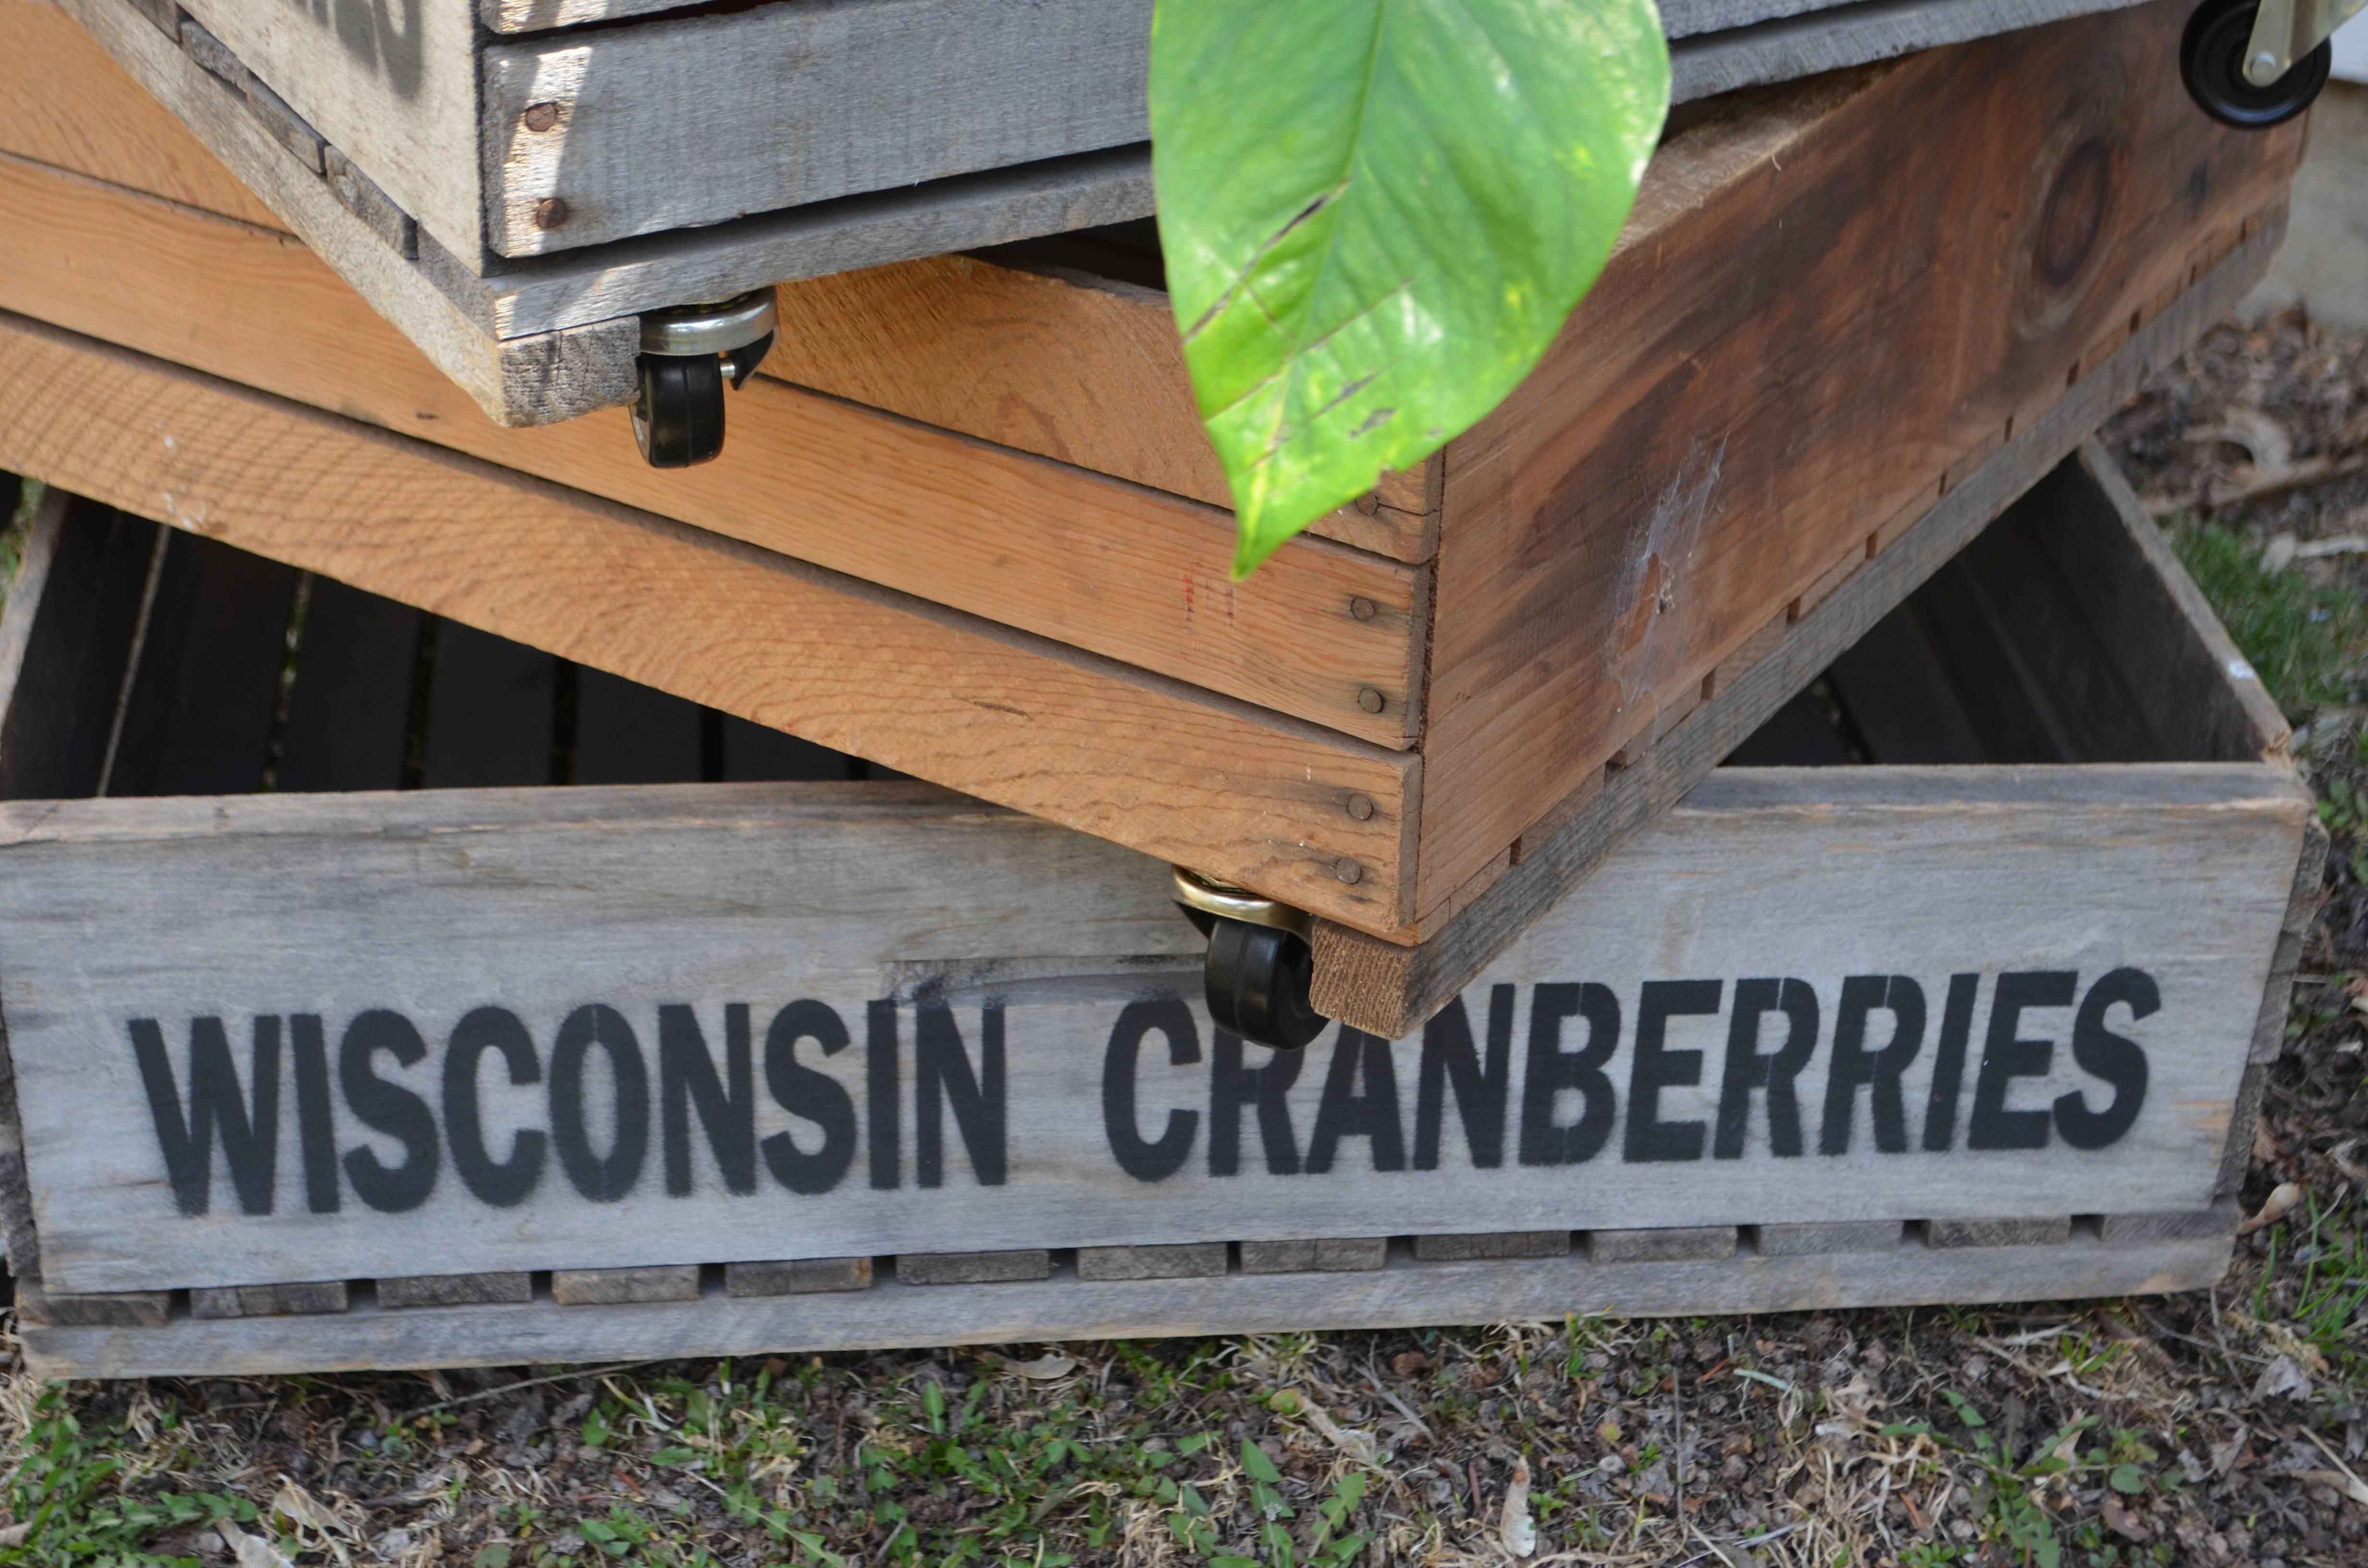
323	1080
975	530
512	181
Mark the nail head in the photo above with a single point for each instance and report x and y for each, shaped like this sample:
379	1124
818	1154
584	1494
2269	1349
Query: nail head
1363	610
1371	702
541	117
1360	807
1348	870
549	212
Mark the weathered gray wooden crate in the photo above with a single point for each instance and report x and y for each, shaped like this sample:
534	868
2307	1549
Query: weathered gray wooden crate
511	183
321	1078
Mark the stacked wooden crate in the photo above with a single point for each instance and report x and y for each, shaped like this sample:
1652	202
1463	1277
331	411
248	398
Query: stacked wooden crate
967	528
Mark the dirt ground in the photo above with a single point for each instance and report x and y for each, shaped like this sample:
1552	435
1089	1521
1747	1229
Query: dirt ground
2220	1427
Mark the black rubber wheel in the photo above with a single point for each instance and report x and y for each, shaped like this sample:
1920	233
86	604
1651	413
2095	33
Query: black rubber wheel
2212	61
1258	980
678	419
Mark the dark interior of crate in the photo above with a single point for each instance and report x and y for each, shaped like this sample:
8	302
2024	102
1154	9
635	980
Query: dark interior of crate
182	666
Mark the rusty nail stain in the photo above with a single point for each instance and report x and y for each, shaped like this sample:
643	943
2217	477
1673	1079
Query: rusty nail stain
1363	610
1348	870
1369	700
541	117
549	212
1360	807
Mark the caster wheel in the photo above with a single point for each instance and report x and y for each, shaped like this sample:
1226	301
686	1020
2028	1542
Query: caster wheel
1257	979
678	419
2211	60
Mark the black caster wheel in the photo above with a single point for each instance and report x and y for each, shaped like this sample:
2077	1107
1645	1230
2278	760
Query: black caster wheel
1257	981
2212	58
689	355
678	419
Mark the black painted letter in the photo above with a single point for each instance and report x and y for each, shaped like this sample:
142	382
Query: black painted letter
1853	1064
1142	1159
250	1136
1747	1069
1650	1137
810	1094
1552	1070
1345	1113
2006	1057
2117	1058
727	1106
603	1179
1949	1063
1233	1087
942	1077
316	1123
389	1108
503	1183
1448	1058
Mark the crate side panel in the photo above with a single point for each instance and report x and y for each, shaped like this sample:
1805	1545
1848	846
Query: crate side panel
674	123
978	1034
1873	290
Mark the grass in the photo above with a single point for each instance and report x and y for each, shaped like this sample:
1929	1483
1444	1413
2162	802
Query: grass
2308	640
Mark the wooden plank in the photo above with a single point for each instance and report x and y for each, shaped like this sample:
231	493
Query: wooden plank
415	1291
616	1287
871	94
1058	361
1816	1238
1185	1260
533	376
349	705
1836	38
974	1267
1346	1254
1258	800
70	106
1027	1085
65	640
491	709
270	1301
627	733
1064	1308
1789	423
1388	989
796	1277
202	694
1671	1244
1490	1245
1085	560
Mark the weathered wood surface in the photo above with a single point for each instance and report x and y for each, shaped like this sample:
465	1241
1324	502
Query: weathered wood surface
1883	312
1088	560
1405	1294
681	123
1035	1080
1389	989
1261	800
396	89
1782	47
536	376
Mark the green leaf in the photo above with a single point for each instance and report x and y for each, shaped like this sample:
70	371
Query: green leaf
2126	1477
1376	214
1261	1468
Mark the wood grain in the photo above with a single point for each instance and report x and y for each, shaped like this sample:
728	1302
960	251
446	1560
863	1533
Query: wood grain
1408	1295
1388	989
1108	566
1704	442
864	95
69	105
1257	799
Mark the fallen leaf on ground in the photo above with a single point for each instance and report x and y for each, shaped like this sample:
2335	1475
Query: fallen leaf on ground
2122	1522
2282	1376
1042	1368
2274	1208
1515	1531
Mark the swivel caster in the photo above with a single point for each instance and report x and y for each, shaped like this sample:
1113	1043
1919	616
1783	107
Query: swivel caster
688	355
1259	968
2255	63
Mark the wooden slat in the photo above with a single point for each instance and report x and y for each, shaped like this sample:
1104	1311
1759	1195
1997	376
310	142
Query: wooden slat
491	709
872	94
990	927
1835	37
198	713
69	105
1603	548
349	707
1255	799
1103	565
891	1313
66	634
1388	989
